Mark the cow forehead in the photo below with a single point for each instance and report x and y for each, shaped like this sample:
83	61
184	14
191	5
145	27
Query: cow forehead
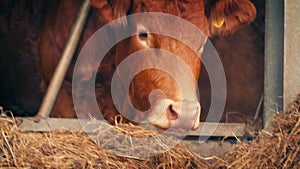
191	10
168	31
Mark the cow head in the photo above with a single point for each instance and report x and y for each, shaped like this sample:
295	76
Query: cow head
167	108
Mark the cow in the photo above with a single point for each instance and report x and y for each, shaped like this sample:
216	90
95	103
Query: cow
242	56
212	17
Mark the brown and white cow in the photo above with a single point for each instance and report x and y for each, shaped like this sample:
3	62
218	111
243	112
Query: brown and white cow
212	17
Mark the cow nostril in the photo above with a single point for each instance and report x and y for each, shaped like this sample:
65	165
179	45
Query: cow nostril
172	114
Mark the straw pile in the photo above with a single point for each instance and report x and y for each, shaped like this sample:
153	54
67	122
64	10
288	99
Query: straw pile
279	148
276	148
65	149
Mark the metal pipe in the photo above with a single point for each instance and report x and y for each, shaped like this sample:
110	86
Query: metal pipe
63	65
273	85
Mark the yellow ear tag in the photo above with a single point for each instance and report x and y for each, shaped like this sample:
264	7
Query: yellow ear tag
219	23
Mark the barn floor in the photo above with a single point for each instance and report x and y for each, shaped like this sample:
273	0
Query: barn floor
208	148
215	146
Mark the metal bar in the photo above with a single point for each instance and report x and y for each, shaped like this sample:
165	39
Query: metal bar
50	124
258	107
63	65
273	84
87	125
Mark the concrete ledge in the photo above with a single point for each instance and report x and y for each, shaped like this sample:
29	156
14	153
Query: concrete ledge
88	126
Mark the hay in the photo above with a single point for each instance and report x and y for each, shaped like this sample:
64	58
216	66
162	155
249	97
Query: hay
278	148
65	149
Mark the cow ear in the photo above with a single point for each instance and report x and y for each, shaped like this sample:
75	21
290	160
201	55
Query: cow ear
226	16
110	10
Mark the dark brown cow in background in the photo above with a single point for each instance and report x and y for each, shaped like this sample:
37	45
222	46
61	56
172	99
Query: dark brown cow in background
20	75
219	17
242	55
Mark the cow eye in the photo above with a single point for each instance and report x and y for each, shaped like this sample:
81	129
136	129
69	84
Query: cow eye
143	35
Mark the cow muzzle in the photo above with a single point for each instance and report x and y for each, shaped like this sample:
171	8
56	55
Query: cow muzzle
175	116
